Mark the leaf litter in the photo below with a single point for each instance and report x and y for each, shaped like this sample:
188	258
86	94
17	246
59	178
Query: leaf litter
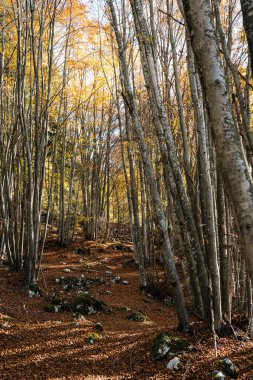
67	345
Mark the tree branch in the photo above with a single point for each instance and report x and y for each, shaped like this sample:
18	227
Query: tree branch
170	15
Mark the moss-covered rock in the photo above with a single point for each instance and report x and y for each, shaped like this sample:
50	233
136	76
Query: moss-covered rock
165	344
66	306
229	368
76	283
218	375
54	299
161	345
179	345
83	251
93	337
138	317
122	308
120	247
49	308
87	304
55	303
34	290
99	327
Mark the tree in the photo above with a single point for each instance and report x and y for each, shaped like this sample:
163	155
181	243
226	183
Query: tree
227	140
247	12
129	98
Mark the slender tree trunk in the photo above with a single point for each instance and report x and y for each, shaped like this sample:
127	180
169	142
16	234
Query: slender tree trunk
149	172
247	12
164	134
226	137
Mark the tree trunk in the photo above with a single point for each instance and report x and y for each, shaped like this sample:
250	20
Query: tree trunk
226	137
149	173
247	12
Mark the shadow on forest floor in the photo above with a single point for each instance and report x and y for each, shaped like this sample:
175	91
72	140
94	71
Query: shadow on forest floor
42	345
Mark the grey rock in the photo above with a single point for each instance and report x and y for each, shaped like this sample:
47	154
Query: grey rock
5	326
99	327
165	344
138	317
219	375
229	368
174	364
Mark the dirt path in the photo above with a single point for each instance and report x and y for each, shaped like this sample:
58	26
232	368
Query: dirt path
43	345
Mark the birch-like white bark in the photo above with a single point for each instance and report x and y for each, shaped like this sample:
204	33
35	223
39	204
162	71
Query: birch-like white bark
227	140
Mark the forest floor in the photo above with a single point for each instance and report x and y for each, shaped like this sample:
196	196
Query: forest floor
37	344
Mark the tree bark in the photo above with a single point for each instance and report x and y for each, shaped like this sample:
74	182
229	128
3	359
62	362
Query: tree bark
149	172
226	137
247	12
